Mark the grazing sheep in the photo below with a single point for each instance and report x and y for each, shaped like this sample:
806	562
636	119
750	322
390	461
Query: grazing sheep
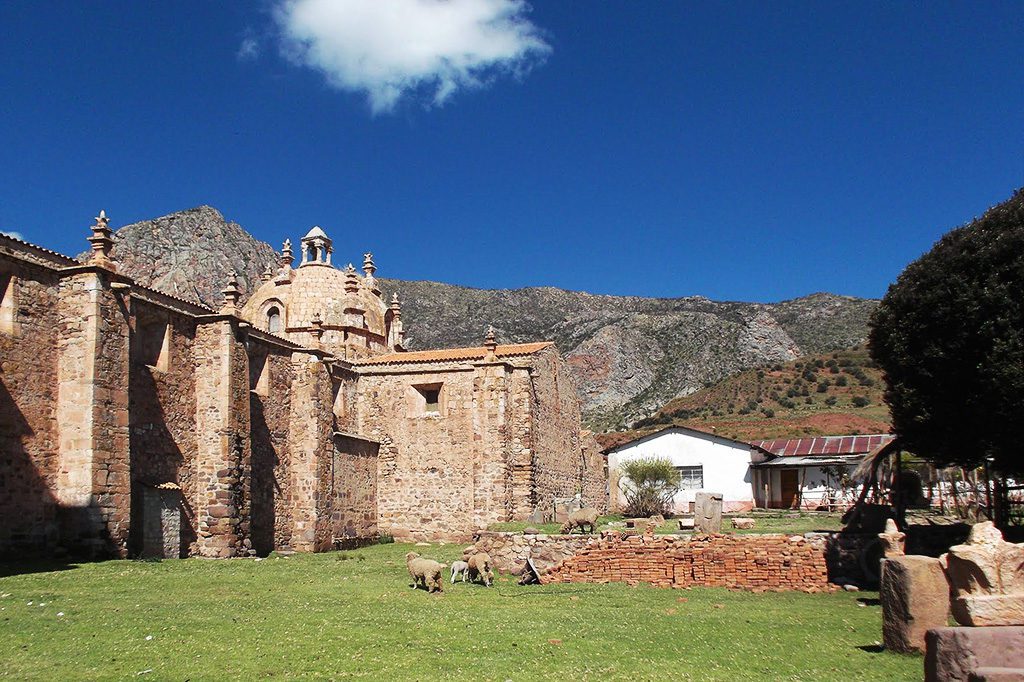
581	519
460	567
425	572
480	567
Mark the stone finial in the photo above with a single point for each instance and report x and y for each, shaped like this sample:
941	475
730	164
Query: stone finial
892	540
286	254
491	343
102	242
351	279
368	267
268	274
986	578
396	305
317	330
231	295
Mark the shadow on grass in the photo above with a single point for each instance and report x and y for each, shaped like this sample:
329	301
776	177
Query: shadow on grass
12	568
870	601
872	648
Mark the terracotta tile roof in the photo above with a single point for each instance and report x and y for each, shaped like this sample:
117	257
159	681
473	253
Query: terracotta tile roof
455	354
823	445
57	256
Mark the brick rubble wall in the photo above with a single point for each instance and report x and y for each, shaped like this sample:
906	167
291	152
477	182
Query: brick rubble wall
751	562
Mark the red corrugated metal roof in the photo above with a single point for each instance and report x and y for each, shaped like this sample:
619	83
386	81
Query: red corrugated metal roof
823	445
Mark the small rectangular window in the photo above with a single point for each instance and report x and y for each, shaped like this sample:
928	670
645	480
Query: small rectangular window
691	478
259	374
153	344
432	398
427	400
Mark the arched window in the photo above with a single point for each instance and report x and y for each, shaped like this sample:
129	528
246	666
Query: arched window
273	319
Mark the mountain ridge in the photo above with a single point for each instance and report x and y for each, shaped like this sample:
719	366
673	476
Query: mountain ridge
628	355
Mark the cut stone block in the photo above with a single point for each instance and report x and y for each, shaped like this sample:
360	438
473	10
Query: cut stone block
955	654
707	512
915	598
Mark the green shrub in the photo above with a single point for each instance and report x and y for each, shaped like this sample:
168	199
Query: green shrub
649	484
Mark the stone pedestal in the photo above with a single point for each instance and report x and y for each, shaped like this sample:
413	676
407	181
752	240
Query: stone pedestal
962	654
915	598
986	575
707	513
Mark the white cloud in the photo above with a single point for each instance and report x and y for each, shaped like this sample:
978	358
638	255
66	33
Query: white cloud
394	48
249	50
12	233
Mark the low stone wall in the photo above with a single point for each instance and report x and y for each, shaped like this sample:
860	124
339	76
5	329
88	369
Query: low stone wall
509	551
752	562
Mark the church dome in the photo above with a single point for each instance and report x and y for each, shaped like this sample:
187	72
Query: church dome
318	304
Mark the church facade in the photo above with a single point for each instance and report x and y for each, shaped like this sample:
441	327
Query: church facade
135	423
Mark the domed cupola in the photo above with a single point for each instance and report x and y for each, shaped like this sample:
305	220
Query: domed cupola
316	248
337	310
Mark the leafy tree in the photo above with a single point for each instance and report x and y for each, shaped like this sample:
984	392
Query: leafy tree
649	484
949	337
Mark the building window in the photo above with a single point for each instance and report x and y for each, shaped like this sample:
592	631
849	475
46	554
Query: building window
428	401
432	400
259	374
273	320
691	478
153	345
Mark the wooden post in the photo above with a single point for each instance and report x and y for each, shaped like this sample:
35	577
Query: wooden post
897	491
988	493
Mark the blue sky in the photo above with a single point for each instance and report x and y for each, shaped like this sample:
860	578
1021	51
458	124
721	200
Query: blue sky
743	151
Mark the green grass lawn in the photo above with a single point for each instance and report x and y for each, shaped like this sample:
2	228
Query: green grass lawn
352	614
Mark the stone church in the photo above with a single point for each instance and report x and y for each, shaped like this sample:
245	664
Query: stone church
135	423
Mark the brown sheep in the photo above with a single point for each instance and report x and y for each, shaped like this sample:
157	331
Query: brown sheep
480	567
581	519
425	572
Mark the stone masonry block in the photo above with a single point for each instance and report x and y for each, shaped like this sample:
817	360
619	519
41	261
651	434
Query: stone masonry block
915	598
955	654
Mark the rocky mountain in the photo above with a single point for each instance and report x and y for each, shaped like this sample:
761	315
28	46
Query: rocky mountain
191	253
816	395
629	355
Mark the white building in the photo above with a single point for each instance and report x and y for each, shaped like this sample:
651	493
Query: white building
707	462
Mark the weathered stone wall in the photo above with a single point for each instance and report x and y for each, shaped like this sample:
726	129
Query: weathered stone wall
268	483
353	491
162	414
430	465
509	551
565	464
93	484
753	562
28	398
310	447
222	427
